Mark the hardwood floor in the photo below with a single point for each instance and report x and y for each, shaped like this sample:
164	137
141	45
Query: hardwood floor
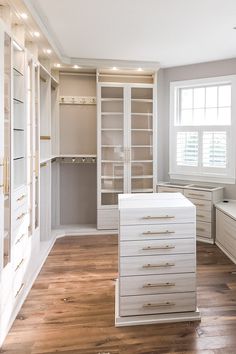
70	308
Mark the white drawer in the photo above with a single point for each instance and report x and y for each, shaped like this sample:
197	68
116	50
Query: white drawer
199	194
157	232
164	189
203	215
18	250
20	216
202	204
152	247
19	198
227	234
157	284
163	264
152	216
203	229
18	283
154	304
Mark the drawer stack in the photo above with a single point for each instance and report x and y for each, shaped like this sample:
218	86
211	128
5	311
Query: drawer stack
157	257
204	199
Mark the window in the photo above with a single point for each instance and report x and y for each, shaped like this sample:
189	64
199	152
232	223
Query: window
202	129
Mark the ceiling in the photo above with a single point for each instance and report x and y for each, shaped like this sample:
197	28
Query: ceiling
171	32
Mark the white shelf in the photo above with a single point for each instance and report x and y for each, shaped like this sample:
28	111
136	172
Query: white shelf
112	191
112	114
142	130
141	100
141	146
112	177
142	177
118	161
141	114
111	146
111	99
142	190
134	161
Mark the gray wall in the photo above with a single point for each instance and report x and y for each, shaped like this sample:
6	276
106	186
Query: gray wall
188	72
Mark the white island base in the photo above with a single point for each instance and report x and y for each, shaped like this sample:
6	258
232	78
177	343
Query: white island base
151	319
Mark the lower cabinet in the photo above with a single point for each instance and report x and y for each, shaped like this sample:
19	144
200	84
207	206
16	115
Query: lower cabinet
157	261
226	229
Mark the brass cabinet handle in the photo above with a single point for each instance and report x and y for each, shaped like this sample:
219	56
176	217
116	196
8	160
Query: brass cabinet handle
157	285
158	232
45	137
20	238
20	216
20	288
200	216
21	197
18	266
44	164
199	204
150	248
158	304
147	266
158	217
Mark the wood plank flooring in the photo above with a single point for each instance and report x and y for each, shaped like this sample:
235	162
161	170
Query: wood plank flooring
70	309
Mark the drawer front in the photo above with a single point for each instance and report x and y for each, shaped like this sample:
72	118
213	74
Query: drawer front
19	198
164	189
157	284
20	227
203	215
157	232
228	234
152	247
107	219
165	215
163	264
18	283
198	194
203	229
202	204
18	249
19	216
154	304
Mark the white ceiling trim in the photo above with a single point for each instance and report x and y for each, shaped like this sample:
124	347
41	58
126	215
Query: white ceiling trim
90	63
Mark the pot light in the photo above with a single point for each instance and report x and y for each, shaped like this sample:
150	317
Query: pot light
36	34
114	68
76	67
24	16
140	69
57	65
48	51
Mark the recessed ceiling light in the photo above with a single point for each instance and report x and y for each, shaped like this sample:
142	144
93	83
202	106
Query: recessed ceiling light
76	67
48	51
36	34
24	16
114	68
140	69
58	65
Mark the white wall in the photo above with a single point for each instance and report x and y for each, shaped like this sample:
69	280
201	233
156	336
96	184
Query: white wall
188	72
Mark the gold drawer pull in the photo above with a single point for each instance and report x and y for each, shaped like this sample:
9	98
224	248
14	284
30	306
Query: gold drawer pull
147	266
21	197
158	217
18	266
45	137
21	216
167	191
200	229
200	216
158	304
19	239
199	204
158	232
197	194
150	248
157	285
21	287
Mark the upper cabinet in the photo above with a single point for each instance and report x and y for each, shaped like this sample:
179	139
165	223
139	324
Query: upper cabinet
126	143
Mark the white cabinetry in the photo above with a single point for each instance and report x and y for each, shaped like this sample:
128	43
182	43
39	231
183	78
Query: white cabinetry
226	228
157	259
126	145
204	198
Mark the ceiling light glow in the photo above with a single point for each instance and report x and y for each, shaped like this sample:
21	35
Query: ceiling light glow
58	65
114	68
36	34
140	69
76	67
48	51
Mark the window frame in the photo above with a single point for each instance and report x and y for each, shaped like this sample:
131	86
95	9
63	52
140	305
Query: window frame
200	173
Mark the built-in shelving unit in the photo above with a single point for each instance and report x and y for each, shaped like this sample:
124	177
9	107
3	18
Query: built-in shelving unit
126	142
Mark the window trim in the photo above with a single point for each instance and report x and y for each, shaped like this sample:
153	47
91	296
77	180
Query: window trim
190	173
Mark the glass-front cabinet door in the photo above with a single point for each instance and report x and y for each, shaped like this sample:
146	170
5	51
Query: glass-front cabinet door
112	144
141	144
6	161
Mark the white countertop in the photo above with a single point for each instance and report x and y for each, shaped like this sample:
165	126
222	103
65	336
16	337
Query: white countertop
228	208
153	200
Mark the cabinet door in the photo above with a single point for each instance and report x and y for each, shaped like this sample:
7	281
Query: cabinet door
5	148
112	154
141	141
